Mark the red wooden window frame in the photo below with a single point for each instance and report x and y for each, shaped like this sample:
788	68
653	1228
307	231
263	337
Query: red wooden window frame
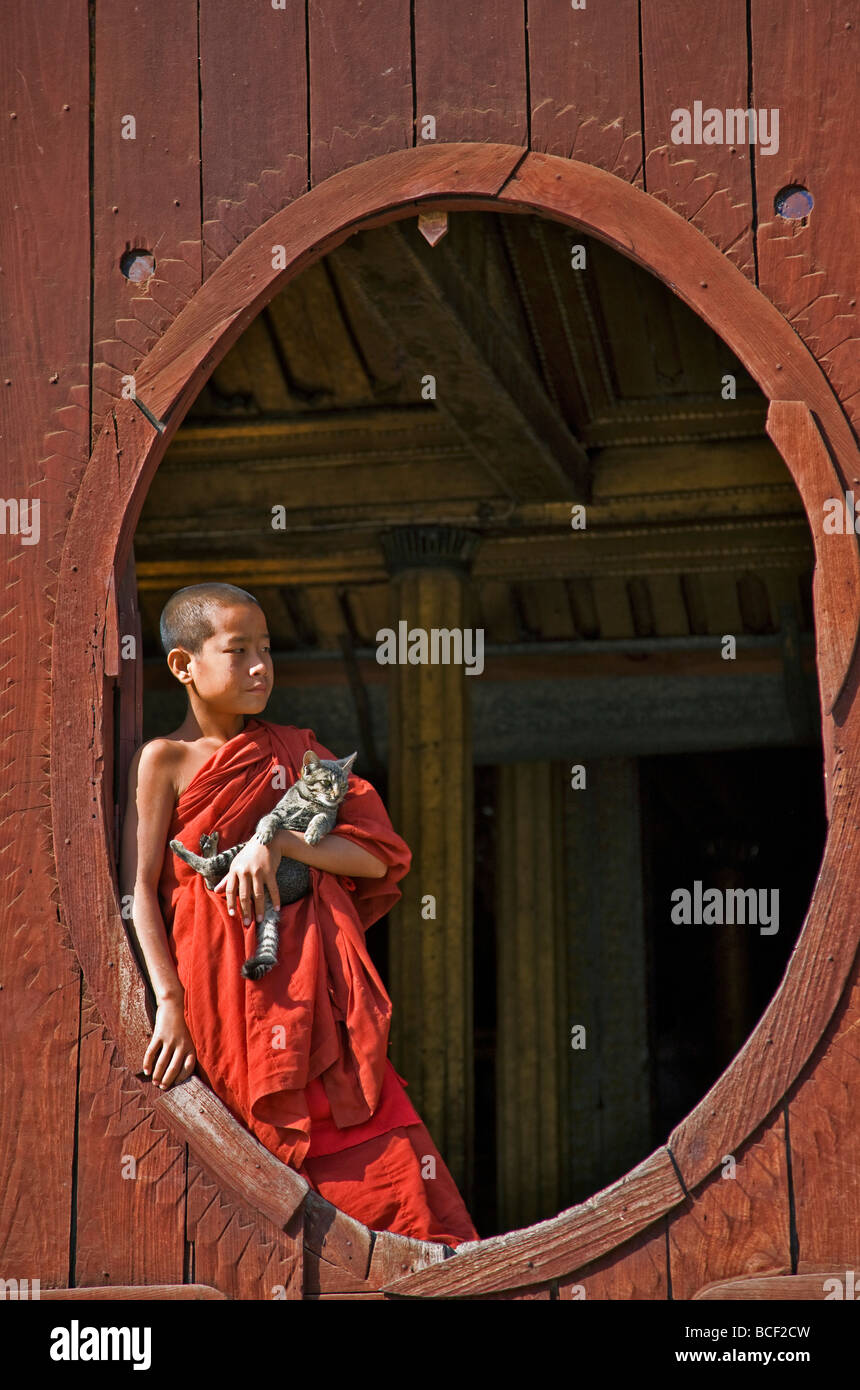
809	427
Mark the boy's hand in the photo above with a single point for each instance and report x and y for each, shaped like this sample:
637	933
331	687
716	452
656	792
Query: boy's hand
253	869
170	1055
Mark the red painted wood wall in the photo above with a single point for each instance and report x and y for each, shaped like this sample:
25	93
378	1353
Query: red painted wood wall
238	111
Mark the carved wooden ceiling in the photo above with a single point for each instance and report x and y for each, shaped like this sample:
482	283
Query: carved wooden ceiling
554	385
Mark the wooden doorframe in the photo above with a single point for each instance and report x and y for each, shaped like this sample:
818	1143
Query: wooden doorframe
816	441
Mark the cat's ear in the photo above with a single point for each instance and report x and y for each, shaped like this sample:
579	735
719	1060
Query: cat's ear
346	763
310	759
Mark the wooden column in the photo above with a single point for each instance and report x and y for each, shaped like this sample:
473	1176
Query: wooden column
431	805
610	1106
532	1142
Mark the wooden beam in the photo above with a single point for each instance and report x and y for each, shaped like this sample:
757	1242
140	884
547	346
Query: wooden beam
121	1293
485	386
609	1109
797	434
354	556
531	1041
546	661
430	939
552	1249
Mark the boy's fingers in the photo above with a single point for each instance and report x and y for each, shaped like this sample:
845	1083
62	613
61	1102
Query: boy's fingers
158	1069
259	895
245	900
173	1069
231	892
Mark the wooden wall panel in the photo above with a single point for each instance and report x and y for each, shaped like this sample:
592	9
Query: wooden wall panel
146	191
699	53
735	1226
638	1269
584	84
131	1174
810	271
239	1252
360	65
824	1139
44	252
146	194
470	70
253	111
473	74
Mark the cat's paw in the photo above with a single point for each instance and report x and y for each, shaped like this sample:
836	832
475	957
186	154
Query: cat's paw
316	831
266	831
178	847
209	845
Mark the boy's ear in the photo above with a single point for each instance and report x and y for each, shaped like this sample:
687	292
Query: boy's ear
310	759
177	661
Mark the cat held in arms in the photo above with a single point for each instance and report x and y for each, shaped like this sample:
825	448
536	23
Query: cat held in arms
310	804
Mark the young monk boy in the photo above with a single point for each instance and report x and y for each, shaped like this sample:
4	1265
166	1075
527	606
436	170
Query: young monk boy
300	1056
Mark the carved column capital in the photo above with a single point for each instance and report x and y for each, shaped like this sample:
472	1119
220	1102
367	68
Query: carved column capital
429	547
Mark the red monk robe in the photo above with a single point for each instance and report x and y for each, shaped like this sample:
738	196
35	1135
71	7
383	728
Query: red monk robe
300	1056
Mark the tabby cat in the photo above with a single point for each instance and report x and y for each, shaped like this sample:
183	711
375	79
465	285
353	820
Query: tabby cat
310	804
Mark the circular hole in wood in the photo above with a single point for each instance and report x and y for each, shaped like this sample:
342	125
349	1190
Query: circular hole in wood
794	202
137	265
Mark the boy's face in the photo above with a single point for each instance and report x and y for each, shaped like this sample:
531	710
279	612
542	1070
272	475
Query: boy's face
233	671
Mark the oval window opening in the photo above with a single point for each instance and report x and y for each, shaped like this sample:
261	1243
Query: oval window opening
609	770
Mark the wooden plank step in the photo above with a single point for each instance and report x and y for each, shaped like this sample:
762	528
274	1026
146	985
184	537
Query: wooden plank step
815	1287
130	1292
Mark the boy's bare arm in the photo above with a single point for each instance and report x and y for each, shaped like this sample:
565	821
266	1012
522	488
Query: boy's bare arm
151	802
149	809
254	868
334	853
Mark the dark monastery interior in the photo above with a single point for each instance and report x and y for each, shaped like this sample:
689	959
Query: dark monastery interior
408	432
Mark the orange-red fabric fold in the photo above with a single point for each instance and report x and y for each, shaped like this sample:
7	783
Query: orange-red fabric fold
322	1011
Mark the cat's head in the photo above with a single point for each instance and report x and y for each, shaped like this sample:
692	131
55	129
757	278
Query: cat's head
326	779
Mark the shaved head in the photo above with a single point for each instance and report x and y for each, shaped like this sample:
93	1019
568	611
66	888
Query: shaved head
188	617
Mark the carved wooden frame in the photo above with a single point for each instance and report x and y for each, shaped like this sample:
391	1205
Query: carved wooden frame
809	427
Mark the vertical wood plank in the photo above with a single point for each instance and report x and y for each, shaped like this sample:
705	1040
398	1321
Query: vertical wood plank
584	83
808	267
241	1253
253	112
431	793
531	1100
609	1111
722	604
146	190
471	76
360	64
670	612
612	605
692	53
131	1175
146	195
638	1269
129	734
44	252
824	1139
